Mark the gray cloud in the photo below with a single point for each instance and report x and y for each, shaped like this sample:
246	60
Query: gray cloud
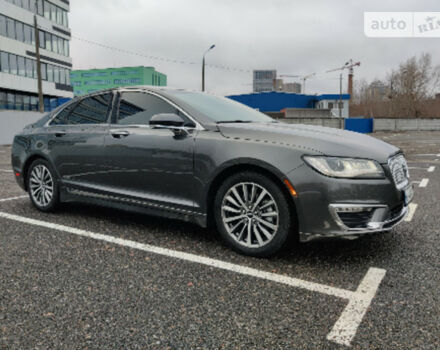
296	37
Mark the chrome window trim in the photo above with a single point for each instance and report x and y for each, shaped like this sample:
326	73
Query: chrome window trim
190	117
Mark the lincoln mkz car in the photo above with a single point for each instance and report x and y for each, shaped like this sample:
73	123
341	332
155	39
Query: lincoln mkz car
206	159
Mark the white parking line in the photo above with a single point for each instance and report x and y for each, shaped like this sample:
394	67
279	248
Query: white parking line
427	154
429	170
12	198
346	326
5	171
344	329
411	211
424	182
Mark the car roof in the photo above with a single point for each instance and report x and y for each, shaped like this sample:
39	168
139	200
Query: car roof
135	87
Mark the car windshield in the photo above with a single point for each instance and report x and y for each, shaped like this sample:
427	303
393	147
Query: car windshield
221	109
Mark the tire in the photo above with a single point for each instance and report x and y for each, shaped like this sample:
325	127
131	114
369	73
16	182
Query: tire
42	185
270	224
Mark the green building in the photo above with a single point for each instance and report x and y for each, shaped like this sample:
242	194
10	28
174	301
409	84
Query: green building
90	80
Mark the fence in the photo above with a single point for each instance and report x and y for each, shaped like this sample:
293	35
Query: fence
406	124
361	125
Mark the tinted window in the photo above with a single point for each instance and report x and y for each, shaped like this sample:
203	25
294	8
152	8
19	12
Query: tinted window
62	76
10	28
137	108
34	68
21	66
49	72
46	10
61	117
91	110
27	34
19	31
44	71
29	73
54	43
48	43
40	7
56	74
13	64
3	31
4	62
42	40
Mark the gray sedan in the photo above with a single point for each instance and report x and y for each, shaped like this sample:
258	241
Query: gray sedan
205	159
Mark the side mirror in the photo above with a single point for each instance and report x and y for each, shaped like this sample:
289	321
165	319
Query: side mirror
166	119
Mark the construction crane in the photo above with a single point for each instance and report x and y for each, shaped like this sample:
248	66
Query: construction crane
348	65
302	77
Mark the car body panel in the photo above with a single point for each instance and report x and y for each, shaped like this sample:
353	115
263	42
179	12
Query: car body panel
154	163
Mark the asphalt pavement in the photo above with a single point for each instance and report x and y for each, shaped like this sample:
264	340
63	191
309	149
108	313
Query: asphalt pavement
87	277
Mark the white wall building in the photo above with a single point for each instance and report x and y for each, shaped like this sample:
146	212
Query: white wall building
338	105
18	73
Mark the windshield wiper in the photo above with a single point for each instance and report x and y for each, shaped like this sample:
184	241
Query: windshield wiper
234	121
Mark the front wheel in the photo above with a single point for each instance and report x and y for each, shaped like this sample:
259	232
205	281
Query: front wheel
42	186
252	214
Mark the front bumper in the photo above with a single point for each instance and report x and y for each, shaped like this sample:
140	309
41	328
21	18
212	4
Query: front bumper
390	219
333	207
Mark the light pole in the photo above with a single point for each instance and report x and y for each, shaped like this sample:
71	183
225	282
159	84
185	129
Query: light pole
203	67
37	56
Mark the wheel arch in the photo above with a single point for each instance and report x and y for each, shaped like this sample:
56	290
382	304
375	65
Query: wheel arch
265	169
28	163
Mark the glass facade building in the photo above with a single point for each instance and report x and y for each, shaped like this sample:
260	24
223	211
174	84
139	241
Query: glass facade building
87	81
18	64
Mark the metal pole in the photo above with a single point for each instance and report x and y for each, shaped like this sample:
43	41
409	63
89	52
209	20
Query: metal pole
340	95
203	73
304	85
203	66
37	54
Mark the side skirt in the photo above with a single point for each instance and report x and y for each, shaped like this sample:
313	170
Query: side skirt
68	194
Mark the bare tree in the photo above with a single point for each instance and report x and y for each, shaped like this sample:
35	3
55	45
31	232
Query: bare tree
411	85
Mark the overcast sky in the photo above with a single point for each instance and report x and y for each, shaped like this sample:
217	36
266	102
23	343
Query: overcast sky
293	37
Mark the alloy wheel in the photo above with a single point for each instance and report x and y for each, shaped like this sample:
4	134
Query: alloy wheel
250	214
41	185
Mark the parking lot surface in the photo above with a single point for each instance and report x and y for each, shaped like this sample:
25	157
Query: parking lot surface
87	277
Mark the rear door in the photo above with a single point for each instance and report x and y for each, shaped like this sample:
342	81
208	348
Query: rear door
77	140
145	162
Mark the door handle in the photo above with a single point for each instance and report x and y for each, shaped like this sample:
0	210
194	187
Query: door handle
119	134
60	133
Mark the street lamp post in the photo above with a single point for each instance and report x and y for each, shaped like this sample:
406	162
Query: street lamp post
37	56
203	67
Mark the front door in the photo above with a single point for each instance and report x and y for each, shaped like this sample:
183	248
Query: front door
151	164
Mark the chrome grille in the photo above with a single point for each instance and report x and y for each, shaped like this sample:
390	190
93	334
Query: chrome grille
399	170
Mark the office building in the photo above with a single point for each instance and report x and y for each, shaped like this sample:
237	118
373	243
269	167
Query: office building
18	67
91	80
264	80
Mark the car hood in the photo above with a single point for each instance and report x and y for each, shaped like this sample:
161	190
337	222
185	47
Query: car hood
312	139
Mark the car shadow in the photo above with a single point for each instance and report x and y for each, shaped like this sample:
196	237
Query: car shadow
329	251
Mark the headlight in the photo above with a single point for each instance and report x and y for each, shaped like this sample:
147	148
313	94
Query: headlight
345	167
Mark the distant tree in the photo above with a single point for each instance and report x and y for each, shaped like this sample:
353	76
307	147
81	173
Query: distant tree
411	85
